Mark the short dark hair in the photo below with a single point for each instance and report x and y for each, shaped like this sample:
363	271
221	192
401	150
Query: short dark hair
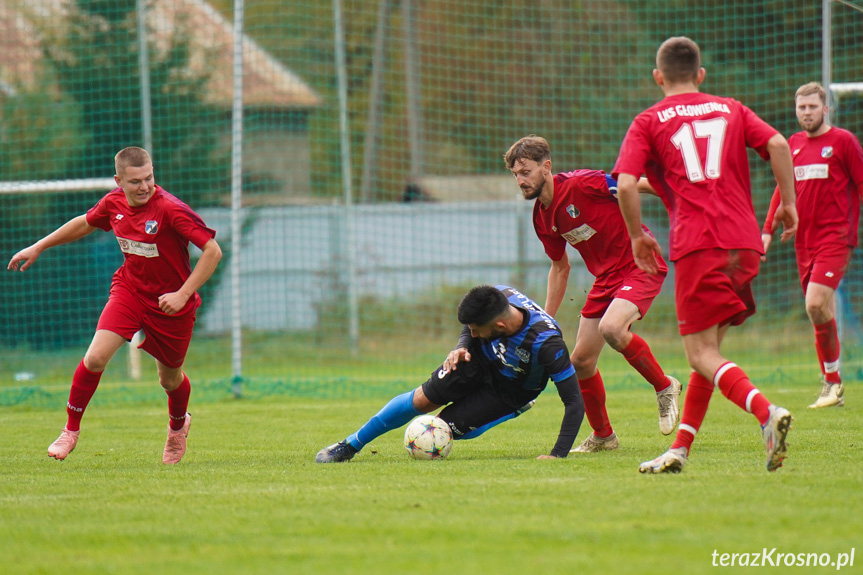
481	305
528	148
679	60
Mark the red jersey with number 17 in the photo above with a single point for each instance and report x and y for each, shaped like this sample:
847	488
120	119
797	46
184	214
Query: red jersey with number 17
154	239
692	148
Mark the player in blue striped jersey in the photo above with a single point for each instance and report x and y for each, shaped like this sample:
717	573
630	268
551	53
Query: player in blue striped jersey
508	350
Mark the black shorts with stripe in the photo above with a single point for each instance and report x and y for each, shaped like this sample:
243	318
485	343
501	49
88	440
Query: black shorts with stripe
472	396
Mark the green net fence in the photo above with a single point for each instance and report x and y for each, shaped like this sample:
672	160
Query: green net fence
364	218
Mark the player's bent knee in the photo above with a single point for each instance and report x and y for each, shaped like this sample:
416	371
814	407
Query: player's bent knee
614	335
583	364
422	403
96	362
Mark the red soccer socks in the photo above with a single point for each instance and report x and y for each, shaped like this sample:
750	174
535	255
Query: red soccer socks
178	403
698	394
735	385
639	356
84	384
593	392
827	346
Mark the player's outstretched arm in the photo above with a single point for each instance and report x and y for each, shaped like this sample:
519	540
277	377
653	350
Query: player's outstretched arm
573	415
769	223
558	278
174	302
553	356
74	229
783	170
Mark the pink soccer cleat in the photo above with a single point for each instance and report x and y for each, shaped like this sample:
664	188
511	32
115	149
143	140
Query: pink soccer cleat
64	445
175	446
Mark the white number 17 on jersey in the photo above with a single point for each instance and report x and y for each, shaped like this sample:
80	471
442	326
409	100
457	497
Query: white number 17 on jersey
684	140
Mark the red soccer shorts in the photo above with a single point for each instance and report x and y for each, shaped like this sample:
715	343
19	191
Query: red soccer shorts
825	265
714	287
633	285
166	337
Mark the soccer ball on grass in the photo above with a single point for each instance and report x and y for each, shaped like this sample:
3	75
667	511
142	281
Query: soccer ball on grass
428	437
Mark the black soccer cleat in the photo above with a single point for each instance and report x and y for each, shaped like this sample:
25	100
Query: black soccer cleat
336	453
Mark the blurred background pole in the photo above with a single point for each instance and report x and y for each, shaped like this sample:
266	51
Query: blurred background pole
147	142
413	92
144	68
237	202
827	50
347	189
370	149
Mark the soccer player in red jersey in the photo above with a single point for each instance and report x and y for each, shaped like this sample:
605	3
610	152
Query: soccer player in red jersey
692	147
828	174
155	290
579	208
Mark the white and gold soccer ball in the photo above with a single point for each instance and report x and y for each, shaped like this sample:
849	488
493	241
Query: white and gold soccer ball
428	437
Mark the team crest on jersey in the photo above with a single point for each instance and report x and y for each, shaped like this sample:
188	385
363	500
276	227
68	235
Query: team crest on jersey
572	211
523	355
151	226
826	151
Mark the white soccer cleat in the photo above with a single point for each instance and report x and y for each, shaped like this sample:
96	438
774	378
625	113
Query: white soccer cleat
64	445
831	394
669	409
593	444
773	433
672	461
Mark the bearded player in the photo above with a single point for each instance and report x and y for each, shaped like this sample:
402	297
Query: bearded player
579	208
828	181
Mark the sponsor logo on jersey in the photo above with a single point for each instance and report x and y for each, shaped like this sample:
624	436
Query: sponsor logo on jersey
118	217
692	110
572	211
523	355
581	233
151	226
500	352
811	172
138	248
795	152
826	151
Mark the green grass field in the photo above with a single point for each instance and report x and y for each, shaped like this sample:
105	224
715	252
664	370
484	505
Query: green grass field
249	499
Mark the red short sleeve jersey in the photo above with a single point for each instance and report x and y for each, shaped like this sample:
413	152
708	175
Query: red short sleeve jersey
828	171
585	214
154	239
692	148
